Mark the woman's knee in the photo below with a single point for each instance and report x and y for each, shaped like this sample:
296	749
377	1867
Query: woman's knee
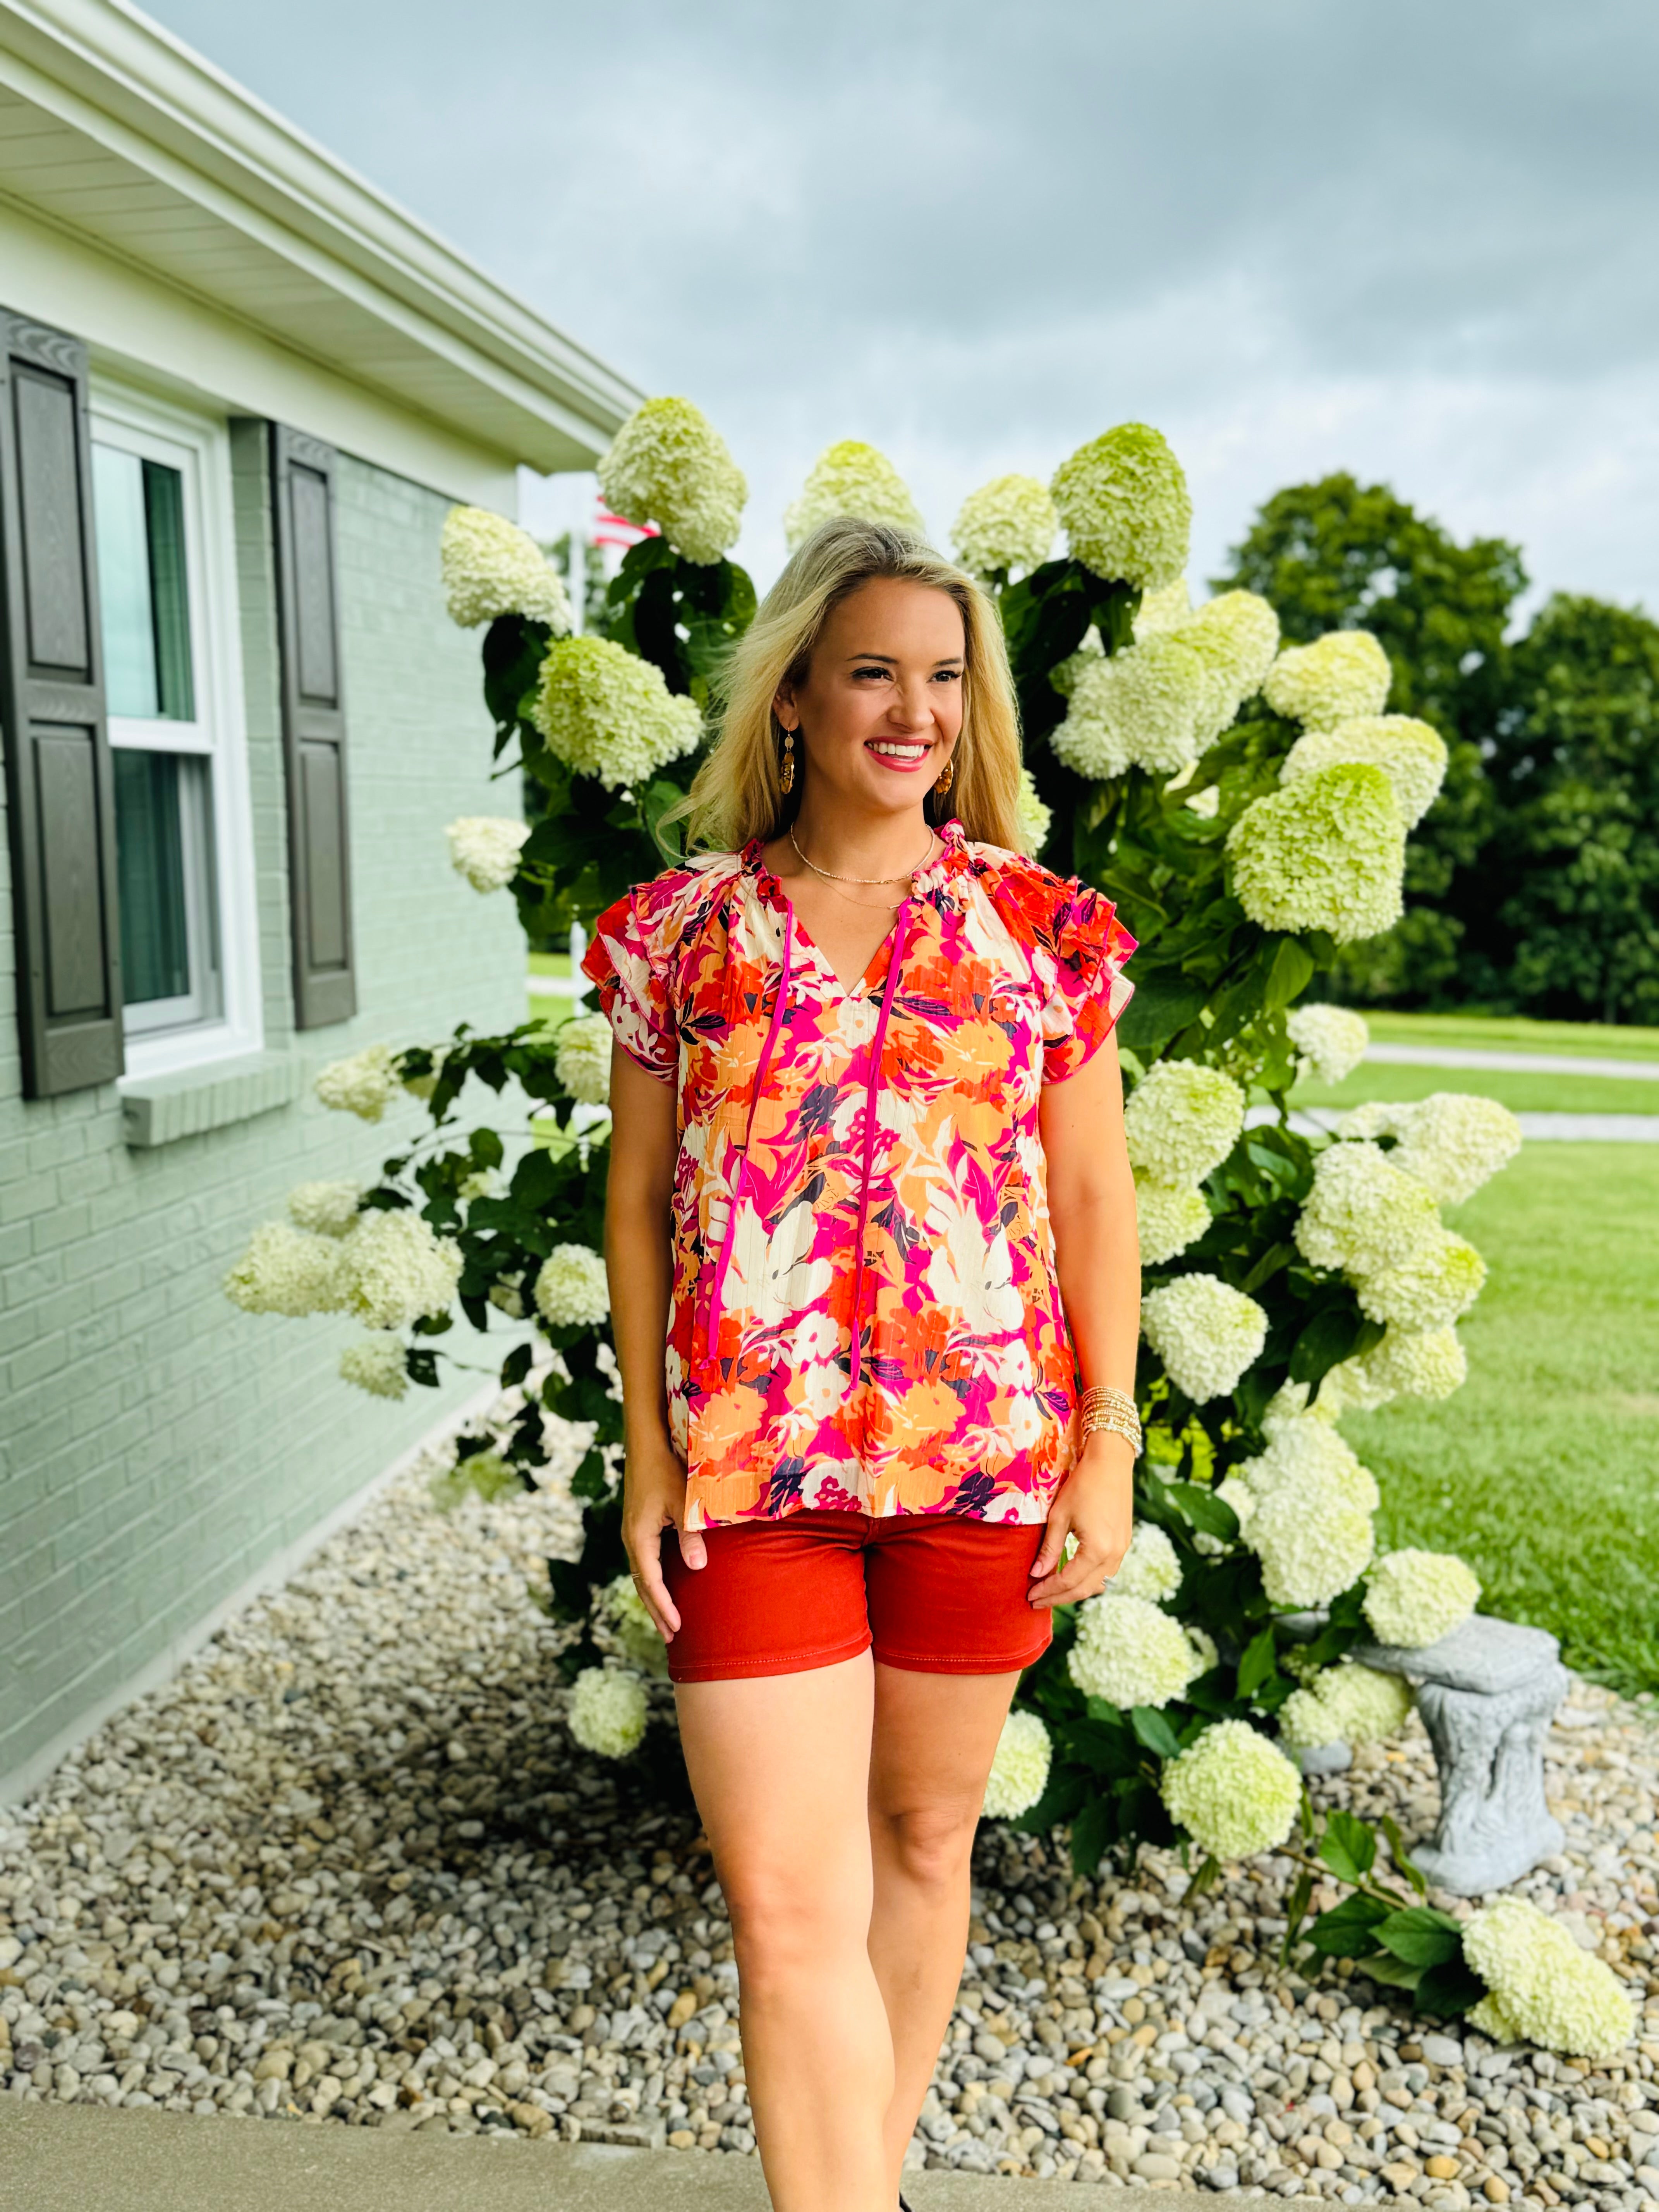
931	1843
784	1921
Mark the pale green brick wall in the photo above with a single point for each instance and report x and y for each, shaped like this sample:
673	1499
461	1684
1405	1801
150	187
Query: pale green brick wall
156	1446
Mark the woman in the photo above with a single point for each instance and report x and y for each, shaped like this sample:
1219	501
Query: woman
869	1189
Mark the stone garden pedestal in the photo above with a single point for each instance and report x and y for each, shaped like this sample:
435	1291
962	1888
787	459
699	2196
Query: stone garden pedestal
1487	1694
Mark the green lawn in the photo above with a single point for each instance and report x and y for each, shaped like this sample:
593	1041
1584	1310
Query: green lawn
1543	1471
1510	1034
1522	1094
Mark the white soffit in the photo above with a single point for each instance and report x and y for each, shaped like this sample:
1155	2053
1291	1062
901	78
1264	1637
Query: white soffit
115	131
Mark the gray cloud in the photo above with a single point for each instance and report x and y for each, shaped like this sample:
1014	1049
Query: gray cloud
1414	241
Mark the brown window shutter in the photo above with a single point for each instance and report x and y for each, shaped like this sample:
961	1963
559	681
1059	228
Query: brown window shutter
60	792
302	478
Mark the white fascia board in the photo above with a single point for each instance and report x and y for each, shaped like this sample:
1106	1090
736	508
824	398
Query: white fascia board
127	85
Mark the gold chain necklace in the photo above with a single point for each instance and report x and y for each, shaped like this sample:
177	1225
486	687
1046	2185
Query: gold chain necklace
830	877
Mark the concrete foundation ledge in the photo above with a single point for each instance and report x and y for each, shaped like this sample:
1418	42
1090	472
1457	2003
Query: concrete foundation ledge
80	2158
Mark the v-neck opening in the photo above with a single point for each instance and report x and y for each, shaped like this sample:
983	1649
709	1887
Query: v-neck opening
875	967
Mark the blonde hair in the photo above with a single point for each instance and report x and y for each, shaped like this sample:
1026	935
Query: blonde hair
738	794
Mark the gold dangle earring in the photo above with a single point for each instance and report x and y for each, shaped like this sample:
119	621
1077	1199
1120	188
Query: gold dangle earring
946	777
787	778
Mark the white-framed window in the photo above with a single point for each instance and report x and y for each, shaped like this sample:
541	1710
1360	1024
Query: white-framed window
162	501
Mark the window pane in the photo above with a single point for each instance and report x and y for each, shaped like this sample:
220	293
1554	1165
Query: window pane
123	587
151	876
164	522
142	581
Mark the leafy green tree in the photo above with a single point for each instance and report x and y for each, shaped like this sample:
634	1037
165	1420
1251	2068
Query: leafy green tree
1575	857
1339	554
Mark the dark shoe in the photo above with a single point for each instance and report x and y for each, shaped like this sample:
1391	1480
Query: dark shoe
903	2207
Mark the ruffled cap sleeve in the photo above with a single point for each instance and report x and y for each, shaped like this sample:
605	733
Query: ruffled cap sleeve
1089	947
627	962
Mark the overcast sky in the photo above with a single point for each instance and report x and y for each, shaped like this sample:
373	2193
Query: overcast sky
1416	241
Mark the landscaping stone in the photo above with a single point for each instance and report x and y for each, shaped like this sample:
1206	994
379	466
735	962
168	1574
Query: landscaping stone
348	1869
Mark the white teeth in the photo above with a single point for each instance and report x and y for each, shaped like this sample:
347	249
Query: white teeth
900	751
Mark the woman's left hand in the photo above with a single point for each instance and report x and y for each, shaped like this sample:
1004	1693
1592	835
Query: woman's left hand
1096	1504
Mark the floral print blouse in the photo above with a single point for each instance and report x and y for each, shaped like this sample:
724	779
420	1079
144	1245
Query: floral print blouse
866	1313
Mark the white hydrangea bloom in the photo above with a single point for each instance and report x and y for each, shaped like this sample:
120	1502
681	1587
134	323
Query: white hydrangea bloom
1452	1142
1151	1568
1410	753
1545	1988
1169	1217
1326	852
1130	1652
491	568
1167	608
363	1084
1182	1121
1122	500
850	477
636	1635
1346	1703
607	1711
571	1288
397	1269
1302	1448
1232	1490
1006	526
1413	1598
288	1271
1428	1362
375	1364
1033	817
1350	1387
1065	674
582	1059
668	464
1332	1041
1431	1287
1236	636
1019	1771
1206	1333
1362	1214
484	849
327	1209
607	713
1312	1542
1140	708
1342	675
1233	1791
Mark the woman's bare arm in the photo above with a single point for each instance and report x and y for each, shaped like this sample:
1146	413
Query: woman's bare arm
639	1259
1091	1205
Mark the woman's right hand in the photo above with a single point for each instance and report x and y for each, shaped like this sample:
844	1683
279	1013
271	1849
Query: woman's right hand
653	1498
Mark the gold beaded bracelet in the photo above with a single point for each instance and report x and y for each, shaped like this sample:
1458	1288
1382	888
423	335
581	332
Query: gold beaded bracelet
1102	1408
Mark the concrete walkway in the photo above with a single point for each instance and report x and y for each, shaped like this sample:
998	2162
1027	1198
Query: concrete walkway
78	2158
1499	1062
1547	1128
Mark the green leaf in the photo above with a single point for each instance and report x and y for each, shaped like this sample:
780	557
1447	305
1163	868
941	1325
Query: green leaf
1261	1660
1206	1877
1154	1730
1203	1509
1327	1340
1421	1935
1394	1974
1162	1004
1291	972
1347	1847
1348	1929
1404	1864
1296	1909
1450	1988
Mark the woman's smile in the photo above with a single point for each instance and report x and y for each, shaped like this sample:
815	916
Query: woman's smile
904	754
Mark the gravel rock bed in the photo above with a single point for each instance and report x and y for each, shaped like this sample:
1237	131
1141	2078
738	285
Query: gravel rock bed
348	1867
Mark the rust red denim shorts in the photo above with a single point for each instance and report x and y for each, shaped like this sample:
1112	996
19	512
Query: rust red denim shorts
932	1592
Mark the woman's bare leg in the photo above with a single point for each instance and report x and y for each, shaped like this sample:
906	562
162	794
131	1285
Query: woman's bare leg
934	1738
781	1768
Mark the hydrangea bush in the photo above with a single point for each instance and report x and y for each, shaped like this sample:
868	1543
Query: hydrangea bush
1247	810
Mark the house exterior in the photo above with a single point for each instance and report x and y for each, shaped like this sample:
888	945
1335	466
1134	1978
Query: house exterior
240	393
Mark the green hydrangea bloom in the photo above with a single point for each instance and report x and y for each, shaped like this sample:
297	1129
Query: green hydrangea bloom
1326	852
571	1290
1140	709
397	1269
1006	526
1450	1142
1169	1217
607	713
1123	501
1430	1288
1411	754
852	478
607	1711
1233	1791
1034	818
327	1209
1363	1213
635	1634
1413	1598
1544	1987
1151	1568
1130	1652
1429	1363
288	1271
1020	1771
1303	1447
491	568
1235	637
1312	1542
582	1059
668	464
1331	1041
1182	1121
1206	1333
1347	1703
1342	674
375	1364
